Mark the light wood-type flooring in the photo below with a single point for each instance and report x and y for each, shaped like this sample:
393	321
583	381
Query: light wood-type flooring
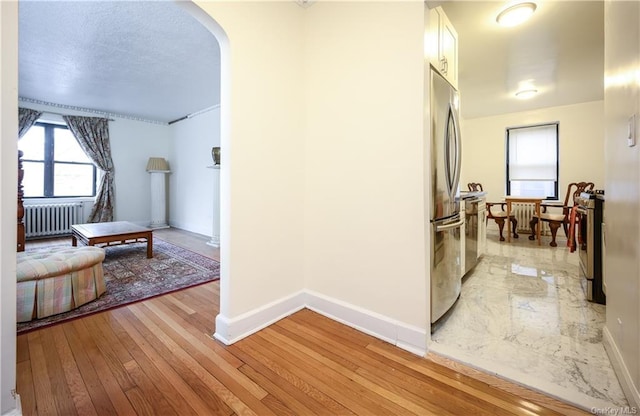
157	357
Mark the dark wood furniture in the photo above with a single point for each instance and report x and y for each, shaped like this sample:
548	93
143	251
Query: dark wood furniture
555	220
499	215
112	234
21	232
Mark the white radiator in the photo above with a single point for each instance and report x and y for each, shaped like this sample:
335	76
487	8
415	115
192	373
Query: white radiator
51	219
524	213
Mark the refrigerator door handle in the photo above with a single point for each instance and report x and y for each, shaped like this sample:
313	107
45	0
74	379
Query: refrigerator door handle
447	155
458	144
449	226
452	156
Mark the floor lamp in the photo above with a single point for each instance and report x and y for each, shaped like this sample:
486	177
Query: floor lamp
158	167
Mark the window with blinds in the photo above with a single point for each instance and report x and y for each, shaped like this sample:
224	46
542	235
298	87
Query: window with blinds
532	161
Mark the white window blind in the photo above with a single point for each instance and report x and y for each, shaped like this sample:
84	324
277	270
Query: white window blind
532	161
533	153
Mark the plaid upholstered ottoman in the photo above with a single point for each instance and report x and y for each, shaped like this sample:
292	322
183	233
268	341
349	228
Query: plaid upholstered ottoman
58	280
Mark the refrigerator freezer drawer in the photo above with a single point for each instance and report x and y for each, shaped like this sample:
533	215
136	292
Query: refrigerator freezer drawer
446	266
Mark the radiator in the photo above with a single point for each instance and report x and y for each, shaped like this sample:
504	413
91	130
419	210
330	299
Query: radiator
524	213
51	219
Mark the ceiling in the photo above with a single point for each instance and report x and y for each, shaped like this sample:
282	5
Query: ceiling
148	60
561	49
152	60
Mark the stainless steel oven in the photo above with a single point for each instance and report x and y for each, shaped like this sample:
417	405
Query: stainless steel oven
590	211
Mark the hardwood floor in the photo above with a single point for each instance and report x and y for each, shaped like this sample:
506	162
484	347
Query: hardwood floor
157	357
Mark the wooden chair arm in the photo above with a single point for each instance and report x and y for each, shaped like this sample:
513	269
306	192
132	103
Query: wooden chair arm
553	205
503	206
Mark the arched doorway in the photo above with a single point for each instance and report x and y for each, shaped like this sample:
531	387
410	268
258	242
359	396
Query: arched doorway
8	115
218	32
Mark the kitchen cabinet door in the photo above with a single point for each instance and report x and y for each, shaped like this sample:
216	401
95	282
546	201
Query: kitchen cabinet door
443	45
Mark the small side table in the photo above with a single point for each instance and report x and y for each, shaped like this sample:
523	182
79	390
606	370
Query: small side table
523	200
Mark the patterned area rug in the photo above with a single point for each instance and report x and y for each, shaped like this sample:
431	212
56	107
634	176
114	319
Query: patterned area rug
131	277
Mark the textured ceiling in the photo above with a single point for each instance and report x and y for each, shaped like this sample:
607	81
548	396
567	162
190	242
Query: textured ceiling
154	61
149	60
561	49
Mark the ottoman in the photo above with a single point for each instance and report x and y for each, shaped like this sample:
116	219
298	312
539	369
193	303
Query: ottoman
57	280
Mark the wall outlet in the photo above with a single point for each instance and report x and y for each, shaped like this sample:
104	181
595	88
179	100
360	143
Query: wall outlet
631	131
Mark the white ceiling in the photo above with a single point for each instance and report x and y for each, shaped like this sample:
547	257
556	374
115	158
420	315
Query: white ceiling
149	60
152	60
561	48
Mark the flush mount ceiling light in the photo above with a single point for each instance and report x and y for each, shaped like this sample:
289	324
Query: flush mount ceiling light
525	94
516	14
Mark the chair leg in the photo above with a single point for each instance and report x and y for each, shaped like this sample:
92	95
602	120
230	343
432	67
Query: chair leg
500	222
533	224
553	226
514	224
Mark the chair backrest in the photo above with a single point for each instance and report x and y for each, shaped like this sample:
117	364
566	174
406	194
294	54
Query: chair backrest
574	190
474	187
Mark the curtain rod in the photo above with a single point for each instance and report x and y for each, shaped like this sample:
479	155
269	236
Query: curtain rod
60	114
197	113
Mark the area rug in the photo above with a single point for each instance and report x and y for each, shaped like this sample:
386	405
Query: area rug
131	277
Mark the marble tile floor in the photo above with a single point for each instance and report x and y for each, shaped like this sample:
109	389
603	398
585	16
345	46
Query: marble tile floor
522	315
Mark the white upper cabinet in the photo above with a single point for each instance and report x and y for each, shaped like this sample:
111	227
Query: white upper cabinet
442	45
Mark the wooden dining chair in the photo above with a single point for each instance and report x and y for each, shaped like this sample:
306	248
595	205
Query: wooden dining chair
555	219
499	212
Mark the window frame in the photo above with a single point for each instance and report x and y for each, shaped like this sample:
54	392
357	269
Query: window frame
556	196
49	165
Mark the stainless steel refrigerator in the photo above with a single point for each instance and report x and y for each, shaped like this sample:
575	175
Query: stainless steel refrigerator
447	219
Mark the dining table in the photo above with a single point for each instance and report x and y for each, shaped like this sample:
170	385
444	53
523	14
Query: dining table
536	200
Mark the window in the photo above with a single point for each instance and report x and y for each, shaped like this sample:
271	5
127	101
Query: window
54	164
532	161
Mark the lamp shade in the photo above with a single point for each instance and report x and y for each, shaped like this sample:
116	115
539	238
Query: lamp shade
157	164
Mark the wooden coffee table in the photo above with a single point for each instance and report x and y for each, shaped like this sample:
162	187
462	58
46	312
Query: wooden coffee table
112	234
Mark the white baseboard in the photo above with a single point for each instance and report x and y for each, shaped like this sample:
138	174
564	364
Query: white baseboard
188	227
232	330
407	337
624	377
18	409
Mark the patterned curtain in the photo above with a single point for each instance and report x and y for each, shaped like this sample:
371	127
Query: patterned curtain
26	118
92	134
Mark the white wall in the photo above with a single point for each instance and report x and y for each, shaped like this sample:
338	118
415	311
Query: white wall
262	153
324	160
364	209
622	222
581	133
132	143
192	190
8	180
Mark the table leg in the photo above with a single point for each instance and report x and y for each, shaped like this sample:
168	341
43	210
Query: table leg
74	241
508	221
539	229
150	246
